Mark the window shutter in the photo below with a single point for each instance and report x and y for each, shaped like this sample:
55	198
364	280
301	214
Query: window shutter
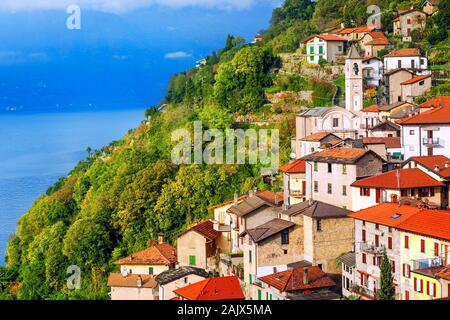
404	270
415	284
390	243
434	290
422	245
421	285
436	249
361	191
428	287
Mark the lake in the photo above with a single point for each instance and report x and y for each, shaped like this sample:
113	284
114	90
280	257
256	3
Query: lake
37	149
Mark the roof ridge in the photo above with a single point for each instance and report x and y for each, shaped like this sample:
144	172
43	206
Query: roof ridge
290	272
160	252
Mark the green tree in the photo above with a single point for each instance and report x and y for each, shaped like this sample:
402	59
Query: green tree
387	289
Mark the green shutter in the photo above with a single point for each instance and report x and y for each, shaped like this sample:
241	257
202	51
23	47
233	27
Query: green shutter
250	279
259	295
311	50
192	260
320	49
150	270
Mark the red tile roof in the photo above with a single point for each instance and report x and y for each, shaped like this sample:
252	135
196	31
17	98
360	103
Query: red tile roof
224	288
416	79
337	154
360	29
405	52
430	162
379	38
390	142
433	223
325	37
160	254
437	102
206	229
440	115
444	274
292	280
409	178
372	108
298	166
384	214
270	196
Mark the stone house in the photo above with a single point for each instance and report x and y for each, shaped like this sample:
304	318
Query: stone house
389	148
431	7
397	110
294	182
408	21
313	142
330	173
415	87
392	88
372	42
385	129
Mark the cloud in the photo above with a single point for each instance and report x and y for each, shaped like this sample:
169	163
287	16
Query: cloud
121	6
177	55
16	57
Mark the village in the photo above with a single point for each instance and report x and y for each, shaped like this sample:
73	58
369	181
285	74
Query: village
363	182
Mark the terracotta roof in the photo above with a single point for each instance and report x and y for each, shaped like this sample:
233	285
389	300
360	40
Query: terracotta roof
223	288
416	79
274	198
405	52
206	229
409	178
325	37
438	115
160	254
430	162
181	272
131	280
390	142
437	102
317	137
379	38
292	280
298	166
316	210
372	108
268	229
392	106
350	30
433	223
226	203
387	214
444	274
346	155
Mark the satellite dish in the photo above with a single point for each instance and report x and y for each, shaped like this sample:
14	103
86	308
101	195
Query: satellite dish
293	155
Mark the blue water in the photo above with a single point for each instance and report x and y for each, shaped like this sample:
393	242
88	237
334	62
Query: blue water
37	149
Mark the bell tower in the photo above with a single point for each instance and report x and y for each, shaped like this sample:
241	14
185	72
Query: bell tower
354	91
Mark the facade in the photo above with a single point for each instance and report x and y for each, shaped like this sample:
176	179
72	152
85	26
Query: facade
353	33
323	46
431	7
389	148
372	71
385	129
329	174
294	182
397	110
348	263
392	87
372	42
397	184
415	87
408	21
354	95
313	142
406	58
426	134
133	287
174	279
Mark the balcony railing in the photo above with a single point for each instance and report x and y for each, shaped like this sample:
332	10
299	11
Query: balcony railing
297	193
221	227
372	248
421	264
431	142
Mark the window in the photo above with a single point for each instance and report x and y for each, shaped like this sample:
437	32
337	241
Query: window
192	260
285	237
390	243
316	166
421	83
399	64
340	48
436	251
185	279
344	190
330	168
285	251
377	240
422	245
364	192
311	58
422	62
377	226
335	122
413	63
250	256
411	132
408	21
406	242
344	169
150	270
363	236
311	50
320	49
316	186
393	266
330	188
320	266
319	225
364	258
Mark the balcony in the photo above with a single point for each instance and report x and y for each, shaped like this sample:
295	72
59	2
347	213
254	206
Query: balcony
431	142
221	227
297	194
423	264
372	248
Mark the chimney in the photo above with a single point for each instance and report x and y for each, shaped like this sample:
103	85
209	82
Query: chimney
436	168
139	282
160	238
235	198
394	198
276	199
305	276
250	193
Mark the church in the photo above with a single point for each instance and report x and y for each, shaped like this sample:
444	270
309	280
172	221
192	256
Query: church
349	122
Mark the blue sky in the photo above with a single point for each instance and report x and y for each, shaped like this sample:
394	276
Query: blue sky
123	55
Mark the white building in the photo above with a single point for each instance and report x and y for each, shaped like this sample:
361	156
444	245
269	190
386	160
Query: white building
406	58
323	46
348	264
427	133
373	71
